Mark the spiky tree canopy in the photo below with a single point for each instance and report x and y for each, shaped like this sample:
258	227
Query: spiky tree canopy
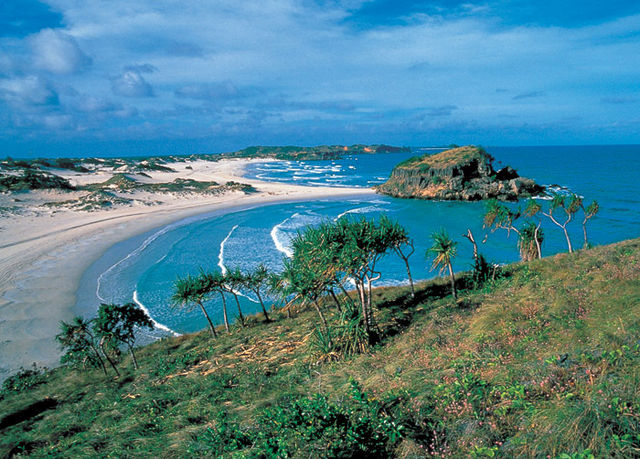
443	250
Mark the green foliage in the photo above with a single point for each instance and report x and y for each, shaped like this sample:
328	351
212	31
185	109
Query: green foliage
527	241
542	362
24	380
33	180
357	426
482	270
443	249
81	346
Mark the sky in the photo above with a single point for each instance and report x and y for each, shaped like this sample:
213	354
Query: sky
122	77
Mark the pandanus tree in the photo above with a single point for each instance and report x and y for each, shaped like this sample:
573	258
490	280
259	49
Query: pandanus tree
569	205
444	251
79	344
256	281
217	283
118	324
529	241
401	243
191	291
337	252
499	216
589	212
533	232
305	274
233	281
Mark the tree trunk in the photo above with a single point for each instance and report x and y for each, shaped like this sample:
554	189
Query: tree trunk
346	293
584	231
264	310
102	365
469	236
106	356
566	234
453	282
323	320
212	329
535	237
240	316
370	280
335	299
405	258
564	228
133	356
363	304
224	312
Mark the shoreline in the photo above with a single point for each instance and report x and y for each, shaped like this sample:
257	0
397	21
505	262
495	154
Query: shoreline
40	274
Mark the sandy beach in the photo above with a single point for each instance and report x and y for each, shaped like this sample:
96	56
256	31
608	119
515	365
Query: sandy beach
45	250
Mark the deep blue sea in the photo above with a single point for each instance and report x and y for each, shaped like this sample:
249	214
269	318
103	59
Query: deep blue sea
144	268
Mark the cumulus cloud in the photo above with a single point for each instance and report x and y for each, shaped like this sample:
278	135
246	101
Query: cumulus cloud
131	83
323	68
28	92
57	52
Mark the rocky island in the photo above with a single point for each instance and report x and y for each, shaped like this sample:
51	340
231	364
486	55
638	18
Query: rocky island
459	174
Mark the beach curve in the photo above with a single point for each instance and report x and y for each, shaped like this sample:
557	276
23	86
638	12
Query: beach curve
44	256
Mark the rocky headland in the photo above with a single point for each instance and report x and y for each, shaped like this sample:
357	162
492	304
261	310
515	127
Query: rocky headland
459	174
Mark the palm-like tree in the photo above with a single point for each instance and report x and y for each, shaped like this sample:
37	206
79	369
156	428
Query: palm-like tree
444	250
529	241
570	205
233	281
255	281
190	291
217	282
590	212
79	343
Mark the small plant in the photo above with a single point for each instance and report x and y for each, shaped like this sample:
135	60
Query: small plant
24	380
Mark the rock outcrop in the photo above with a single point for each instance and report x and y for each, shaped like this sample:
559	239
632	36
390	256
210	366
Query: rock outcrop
459	174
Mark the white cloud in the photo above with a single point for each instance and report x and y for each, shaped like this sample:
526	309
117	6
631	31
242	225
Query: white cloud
209	60
131	84
57	52
27	92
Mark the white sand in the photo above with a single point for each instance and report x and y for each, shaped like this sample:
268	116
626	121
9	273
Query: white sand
44	253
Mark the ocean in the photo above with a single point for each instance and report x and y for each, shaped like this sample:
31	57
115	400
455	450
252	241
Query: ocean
143	269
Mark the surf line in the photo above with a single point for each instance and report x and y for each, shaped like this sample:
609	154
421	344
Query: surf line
155	322
142	246
276	241
224	269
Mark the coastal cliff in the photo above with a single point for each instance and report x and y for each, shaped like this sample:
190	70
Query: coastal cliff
460	174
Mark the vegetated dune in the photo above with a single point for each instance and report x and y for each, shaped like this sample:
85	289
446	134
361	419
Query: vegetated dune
543	360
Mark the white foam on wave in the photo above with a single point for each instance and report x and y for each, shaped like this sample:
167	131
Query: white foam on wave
359	210
276	232
134	253
156	324
223	268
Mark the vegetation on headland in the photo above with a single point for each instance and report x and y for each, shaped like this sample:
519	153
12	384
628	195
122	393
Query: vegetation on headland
461	173
321	152
533	359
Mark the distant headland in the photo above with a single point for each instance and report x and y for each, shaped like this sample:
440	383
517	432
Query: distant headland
459	174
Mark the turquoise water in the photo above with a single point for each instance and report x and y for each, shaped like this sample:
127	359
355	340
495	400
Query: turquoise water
144	268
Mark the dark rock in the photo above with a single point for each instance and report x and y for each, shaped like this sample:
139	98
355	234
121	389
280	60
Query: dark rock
459	174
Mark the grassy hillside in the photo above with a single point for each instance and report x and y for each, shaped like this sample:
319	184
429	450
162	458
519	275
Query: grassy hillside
543	361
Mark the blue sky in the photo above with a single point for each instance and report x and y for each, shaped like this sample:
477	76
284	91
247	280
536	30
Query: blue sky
160	77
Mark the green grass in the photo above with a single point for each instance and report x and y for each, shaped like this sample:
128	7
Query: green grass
543	361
